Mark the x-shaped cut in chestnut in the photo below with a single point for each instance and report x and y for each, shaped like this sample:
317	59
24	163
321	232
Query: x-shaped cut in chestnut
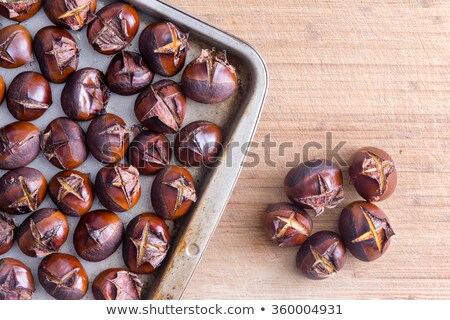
185	191
290	222
378	169
29	198
4	55
178	44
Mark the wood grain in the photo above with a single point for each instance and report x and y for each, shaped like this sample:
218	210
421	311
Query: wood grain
372	73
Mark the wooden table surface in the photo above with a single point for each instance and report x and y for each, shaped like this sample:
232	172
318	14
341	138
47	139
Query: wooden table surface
371	73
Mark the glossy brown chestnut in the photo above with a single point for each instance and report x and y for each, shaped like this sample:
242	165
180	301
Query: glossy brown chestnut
7	232
2	89
149	152
19	144
373	174
365	230
22	190
29	96
108	138
128	74
287	225
16	280
19	10
98	235
315	184
114	27
198	144
146	243
43	233
161	107
164	46
118	187
117	284
321	256
16	47
85	95
210	78
63	277
63	144
173	192
70	14
57	53
72	192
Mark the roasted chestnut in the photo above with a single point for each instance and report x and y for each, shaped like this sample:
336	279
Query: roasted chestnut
164	46
373	174
22	190
29	96
149	152
70	14
287	225
2	89
161	107
19	145
16	280
117	284
114	27
72	192
43	233
315	184
128	73
108	138
210	78
7	232
146	243
16	48
98	235
118	187
85	95
57	53
63	277
321	256
365	230
63	144
173	192
19	10
198	143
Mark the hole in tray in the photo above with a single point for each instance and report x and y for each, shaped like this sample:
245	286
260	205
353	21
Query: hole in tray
193	250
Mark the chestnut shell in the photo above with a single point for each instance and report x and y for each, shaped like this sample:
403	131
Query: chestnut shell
7	232
20	10
16	280
2	89
70	14
16	48
117	284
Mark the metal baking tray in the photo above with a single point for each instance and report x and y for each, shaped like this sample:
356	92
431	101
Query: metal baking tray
238	118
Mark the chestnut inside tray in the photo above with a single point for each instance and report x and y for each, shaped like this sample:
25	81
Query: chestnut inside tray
237	117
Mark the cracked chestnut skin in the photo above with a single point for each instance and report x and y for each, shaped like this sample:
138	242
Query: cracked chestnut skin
373	174
22	190
72	192
128	73
173	193
16	47
98	235
315	184
321	256
43	233
198	144
118	187
365	230
210	78
70	14
29	96
85	95
117	284
150	234
161	107
7	232
149	152
20	10
16	280
63	144
114	27
57	53
2	89
287	225
108	138
63	277
19	144
164	46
